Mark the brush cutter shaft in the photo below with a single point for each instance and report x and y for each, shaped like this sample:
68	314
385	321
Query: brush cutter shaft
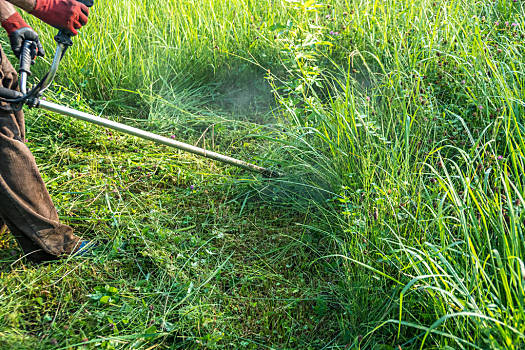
53	107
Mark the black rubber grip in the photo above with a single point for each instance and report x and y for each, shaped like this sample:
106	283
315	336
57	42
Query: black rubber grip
25	56
10	94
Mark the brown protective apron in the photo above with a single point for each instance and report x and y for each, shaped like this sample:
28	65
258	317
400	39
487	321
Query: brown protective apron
25	205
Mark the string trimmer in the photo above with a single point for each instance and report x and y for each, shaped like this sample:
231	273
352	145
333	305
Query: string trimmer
33	98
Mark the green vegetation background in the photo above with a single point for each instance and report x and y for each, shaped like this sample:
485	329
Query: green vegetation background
398	224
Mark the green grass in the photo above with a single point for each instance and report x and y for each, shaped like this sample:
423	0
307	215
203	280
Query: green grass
399	223
183	266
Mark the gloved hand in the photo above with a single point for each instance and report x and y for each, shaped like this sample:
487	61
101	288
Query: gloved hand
68	15
19	31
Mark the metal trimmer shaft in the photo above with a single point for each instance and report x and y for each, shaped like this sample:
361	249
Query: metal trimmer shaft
53	107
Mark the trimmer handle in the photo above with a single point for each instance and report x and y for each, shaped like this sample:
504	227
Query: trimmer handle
27	55
64	37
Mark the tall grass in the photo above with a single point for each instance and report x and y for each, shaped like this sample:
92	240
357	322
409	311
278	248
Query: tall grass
418	131
140	48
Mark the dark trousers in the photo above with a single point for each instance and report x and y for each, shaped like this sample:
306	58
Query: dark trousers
25	205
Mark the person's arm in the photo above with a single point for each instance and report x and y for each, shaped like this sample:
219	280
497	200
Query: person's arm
6	10
17	29
26	5
68	15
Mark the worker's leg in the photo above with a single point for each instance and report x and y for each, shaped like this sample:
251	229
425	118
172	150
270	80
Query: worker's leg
25	204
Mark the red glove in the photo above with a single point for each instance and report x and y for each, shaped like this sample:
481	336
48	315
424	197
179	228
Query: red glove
13	23
68	15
